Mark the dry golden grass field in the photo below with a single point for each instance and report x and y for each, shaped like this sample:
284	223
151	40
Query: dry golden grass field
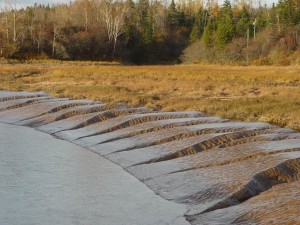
268	94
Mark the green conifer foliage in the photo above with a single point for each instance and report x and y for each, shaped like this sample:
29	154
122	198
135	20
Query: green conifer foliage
208	34
243	23
272	21
148	29
287	12
225	27
195	33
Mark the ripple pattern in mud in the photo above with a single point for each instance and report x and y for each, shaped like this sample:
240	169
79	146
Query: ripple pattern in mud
226	172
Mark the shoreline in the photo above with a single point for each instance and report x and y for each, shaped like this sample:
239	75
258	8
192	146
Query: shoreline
257	94
210	164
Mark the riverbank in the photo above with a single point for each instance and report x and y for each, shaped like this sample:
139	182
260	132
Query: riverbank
253	93
222	170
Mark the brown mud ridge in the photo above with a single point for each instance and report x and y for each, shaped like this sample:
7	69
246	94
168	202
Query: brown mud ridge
226	172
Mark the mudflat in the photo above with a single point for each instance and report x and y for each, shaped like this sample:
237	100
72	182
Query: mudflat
49	181
224	171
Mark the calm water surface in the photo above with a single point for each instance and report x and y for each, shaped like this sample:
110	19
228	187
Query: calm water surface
48	181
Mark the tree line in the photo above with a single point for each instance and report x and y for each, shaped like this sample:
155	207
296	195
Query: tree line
152	31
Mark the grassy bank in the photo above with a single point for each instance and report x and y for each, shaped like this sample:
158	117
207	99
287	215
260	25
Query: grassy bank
268	94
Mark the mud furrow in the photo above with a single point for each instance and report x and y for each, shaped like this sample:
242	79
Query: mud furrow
9	96
220	141
286	172
80	121
278	205
201	189
109	115
140	158
226	138
36	109
133	120
158	128
75	112
123	133
62	114
20	103
177	133
55	109
170	125
150	119
214	157
249	157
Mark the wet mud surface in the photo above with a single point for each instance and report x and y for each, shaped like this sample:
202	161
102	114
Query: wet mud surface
225	172
47	181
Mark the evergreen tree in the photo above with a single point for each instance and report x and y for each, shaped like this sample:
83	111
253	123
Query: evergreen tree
243	24
203	16
261	19
182	20
208	34
225	27
199	24
287	12
272	21
172	16
130	22
195	33
142	8
148	29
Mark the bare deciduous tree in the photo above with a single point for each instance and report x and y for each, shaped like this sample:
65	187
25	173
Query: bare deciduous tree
113	14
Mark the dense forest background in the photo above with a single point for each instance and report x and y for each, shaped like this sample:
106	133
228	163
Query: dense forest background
148	32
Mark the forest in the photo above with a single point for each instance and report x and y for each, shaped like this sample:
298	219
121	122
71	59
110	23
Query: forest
154	32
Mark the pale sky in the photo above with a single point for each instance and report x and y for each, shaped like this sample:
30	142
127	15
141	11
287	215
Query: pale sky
24	3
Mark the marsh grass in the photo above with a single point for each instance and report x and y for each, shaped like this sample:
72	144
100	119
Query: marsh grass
268	94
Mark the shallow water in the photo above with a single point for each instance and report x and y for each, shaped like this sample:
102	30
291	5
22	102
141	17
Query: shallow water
44	180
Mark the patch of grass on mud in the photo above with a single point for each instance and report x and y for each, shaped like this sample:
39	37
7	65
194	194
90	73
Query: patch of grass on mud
268	94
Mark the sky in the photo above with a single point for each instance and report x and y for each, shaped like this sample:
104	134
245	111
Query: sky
24	3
